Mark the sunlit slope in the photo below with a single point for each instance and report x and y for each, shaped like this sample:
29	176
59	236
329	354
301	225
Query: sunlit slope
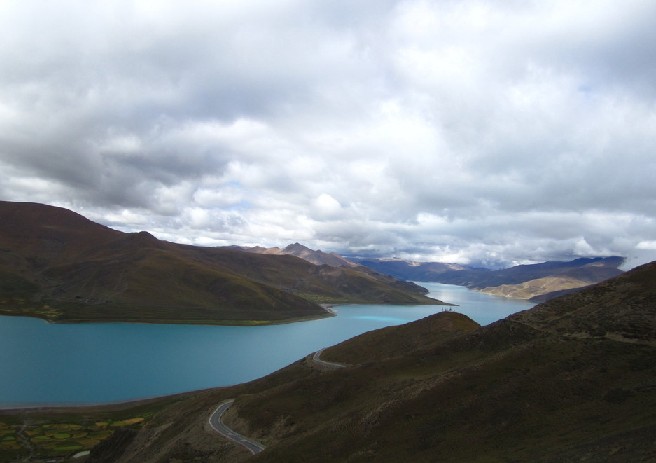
539	286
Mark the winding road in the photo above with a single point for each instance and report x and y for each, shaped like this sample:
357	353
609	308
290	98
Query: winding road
325	364
252	445
216	424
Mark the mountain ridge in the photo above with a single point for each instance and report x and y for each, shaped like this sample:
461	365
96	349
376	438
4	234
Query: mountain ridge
540	281
58	265
316	257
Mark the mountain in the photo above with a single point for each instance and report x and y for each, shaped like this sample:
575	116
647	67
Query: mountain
533	289
540	281
58	265
317	257
411	270
571	380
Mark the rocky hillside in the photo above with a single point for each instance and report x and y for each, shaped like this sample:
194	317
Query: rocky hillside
316	257
58	265
570	380
414	271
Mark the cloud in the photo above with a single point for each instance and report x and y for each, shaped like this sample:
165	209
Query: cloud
325	206
483	132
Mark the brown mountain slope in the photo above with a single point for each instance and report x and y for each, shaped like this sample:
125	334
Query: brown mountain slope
539	286
622	309
570	380
58	265
521	281
320	283
317	257
305	253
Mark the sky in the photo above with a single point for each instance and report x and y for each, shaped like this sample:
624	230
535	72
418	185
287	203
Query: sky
491	132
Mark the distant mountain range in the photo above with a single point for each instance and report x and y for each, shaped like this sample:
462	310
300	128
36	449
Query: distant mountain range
537	282
316	257
571	380
58	265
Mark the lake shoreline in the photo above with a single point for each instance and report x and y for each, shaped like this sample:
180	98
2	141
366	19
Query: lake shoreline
164	321
81	364
327	307
121	405
103	407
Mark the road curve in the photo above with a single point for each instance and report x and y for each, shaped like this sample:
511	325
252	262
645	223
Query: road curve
325	364
217	425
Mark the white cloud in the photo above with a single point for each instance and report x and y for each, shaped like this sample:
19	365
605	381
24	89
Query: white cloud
475	131
647	245
326	207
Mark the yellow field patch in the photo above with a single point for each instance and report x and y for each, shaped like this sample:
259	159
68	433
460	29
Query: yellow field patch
128	422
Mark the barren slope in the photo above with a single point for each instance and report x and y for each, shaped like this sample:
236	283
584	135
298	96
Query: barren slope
571	380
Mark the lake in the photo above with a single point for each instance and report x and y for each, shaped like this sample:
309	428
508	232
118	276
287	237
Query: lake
60	364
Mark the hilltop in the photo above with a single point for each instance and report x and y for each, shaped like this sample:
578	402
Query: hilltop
536	282
569	380
58	265
316	257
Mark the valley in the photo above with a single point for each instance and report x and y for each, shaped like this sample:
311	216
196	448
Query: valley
536	282
569	380
400	231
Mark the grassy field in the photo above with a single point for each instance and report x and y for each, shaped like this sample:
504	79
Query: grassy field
60	433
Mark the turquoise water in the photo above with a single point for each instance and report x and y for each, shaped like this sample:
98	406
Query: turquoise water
482	308
45	364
